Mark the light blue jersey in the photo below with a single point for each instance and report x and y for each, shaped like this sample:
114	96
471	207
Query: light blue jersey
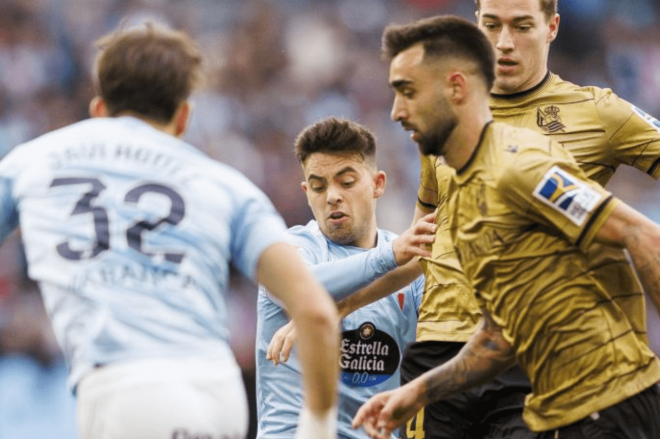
129	232
372	342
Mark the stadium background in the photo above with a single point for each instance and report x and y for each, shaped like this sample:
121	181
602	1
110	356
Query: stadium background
273	67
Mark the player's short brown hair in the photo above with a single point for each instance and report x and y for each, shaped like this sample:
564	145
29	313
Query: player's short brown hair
548	7
443	36
336	136
149	70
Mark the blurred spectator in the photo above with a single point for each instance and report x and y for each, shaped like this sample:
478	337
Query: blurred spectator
34	401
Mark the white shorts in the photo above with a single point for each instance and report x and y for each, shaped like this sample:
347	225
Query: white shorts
164	399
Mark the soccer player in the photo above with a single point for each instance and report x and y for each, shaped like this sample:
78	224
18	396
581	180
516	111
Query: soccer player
522	214
602	131
346	250
129	233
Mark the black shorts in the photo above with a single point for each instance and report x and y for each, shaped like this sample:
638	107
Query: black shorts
638	417
491	411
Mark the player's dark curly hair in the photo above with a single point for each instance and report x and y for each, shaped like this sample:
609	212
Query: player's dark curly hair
443	36
549	7
335	136
148	70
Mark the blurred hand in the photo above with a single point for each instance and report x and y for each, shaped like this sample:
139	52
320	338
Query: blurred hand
279	348
416	240
387	411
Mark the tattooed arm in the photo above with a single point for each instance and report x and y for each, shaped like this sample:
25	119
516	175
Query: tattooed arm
641	237
486	355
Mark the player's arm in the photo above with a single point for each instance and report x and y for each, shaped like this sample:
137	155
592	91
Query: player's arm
641	237
486	355
393	281
345	276
282	271
342	279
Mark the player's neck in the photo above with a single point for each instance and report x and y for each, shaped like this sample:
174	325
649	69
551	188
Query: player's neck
370	239
466	137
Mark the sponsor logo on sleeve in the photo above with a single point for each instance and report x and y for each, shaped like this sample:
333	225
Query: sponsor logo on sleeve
567	194
655	123
368	356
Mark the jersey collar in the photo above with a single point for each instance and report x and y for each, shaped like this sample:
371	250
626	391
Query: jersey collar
546	80
476	150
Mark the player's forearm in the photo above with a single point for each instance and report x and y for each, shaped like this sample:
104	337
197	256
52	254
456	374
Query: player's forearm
283	273
645	253
641	237
318	347
382	287
346	276
484	357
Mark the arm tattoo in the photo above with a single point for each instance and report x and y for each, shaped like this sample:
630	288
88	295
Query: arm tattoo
485	356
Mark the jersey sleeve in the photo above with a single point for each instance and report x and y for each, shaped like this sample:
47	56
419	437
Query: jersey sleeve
634	135
552	190
255	226
427	195
342	277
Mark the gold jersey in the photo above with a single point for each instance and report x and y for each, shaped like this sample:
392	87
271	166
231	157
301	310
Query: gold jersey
521	215
449	311
602	132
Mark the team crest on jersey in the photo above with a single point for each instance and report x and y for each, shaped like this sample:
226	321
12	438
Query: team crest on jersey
549	119
565	193
368	356
655	123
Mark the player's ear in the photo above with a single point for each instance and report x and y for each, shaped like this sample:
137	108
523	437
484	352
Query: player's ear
457	82
304	186
97	107
181	118
553	28
379	183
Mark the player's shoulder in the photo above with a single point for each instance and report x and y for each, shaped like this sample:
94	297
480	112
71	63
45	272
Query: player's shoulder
560	86
310	231
510	141
307	235
516	150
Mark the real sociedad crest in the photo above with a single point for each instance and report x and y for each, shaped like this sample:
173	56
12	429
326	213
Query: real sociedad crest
549	119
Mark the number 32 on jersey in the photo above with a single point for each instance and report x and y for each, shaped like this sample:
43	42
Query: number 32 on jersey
134	232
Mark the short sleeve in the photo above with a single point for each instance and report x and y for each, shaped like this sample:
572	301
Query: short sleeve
427	195
634	135
554	191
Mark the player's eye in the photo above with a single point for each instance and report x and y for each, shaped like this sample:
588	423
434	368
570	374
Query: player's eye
490	26
407	93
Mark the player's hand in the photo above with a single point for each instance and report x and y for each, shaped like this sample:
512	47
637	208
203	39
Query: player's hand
386	411
280	346
416	240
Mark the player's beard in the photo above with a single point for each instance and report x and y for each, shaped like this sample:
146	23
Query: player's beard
433	142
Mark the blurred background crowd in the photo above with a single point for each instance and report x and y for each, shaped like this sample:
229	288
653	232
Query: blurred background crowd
273	68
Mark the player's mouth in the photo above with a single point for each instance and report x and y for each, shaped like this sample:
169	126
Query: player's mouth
337	217
414	134
506	65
